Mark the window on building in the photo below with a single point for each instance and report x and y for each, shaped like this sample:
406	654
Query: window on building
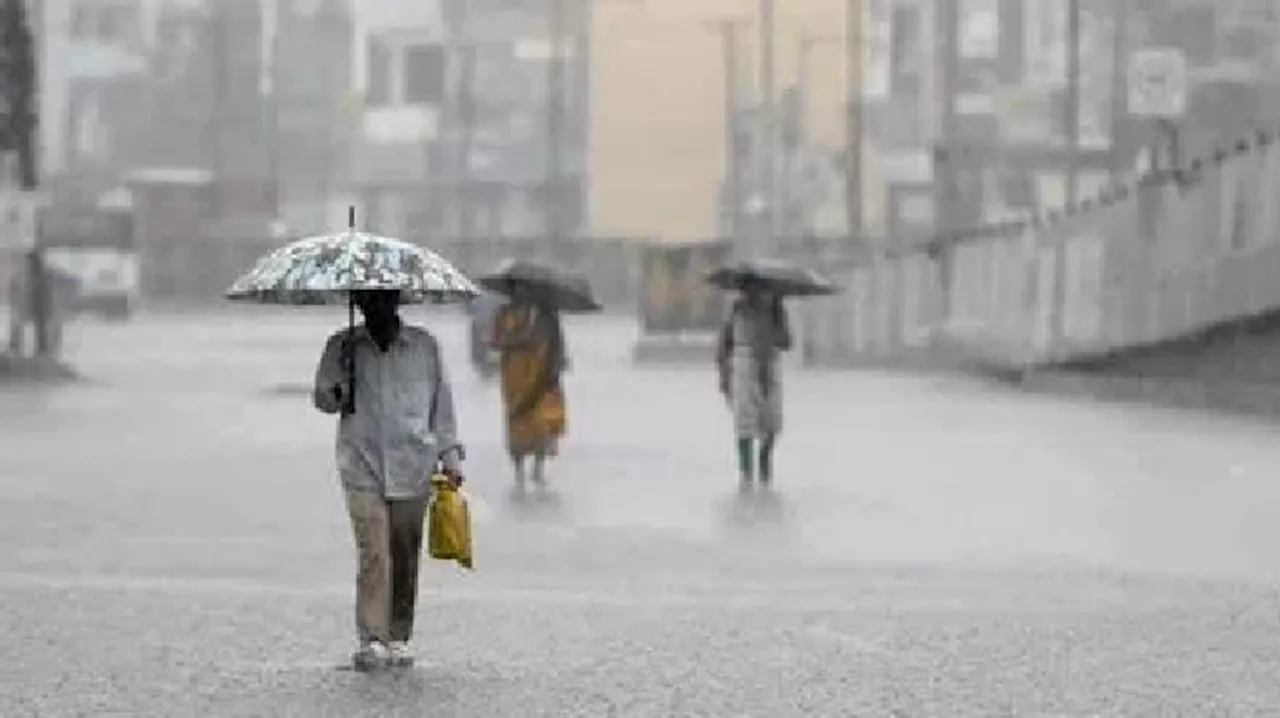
424	74
905	51
106	23
378	73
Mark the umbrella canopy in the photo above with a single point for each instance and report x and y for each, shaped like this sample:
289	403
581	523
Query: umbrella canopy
324	269
774	276
566	291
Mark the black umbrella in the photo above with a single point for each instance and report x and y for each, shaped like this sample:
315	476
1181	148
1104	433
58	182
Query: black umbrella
562	289
773	276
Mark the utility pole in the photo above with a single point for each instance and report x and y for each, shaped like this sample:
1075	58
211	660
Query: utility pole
467	116
854	38
1119	87
804	65
804	83
1073	100
269	93
19	71
462	117
218	28
554	224
1057	310
728	29
19	140
768	122
945	175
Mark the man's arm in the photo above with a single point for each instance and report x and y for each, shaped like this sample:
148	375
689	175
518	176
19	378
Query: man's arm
331	380
724	348
444	419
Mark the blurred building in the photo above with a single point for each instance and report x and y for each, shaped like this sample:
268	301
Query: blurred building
225	130
82	44
210	87
811	183
657	114
454	136
512	162
399	89
311	116
976	127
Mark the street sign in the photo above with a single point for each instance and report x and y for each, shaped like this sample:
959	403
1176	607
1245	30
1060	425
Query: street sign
18	219
1157	82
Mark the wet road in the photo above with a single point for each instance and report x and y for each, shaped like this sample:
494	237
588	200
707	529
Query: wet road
172	543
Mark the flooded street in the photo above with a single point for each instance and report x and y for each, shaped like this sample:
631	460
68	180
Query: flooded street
173	543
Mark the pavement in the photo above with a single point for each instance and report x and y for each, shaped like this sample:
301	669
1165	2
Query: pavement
173	543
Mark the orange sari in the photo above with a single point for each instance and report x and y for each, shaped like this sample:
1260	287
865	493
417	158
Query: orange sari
532	346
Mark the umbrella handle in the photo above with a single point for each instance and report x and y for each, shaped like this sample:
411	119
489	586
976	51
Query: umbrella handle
349	352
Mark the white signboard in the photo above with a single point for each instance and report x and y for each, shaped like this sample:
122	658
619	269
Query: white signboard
17	219
1157	82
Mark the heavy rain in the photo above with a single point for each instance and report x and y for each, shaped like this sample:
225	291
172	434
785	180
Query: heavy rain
916	365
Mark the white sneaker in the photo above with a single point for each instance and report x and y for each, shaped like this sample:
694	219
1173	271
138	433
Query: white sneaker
370	656
398	654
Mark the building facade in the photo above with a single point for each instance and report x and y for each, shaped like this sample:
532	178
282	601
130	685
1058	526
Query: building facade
968	102
658	107
513	147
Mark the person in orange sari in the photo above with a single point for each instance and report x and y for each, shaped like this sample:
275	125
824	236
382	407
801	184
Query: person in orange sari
530	339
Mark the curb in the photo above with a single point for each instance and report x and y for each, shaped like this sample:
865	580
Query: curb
1249	398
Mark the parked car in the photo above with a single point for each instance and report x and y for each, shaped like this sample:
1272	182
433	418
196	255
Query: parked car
97	247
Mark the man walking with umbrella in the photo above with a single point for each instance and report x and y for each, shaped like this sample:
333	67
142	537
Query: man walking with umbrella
388	383
397	422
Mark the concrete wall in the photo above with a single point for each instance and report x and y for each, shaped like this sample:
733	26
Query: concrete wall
1151	263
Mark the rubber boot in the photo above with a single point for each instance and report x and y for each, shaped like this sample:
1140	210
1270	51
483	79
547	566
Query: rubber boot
518	491
766	461
540	476
746	474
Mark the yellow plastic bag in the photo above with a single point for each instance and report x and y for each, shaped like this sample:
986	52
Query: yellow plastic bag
448	523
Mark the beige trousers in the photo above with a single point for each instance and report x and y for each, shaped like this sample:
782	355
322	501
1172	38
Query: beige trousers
388	536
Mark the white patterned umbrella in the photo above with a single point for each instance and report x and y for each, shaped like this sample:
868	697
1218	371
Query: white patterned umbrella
324	269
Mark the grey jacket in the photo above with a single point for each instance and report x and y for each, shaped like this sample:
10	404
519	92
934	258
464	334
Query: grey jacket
404	420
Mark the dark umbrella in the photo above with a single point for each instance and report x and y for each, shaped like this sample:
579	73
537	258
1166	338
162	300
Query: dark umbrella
773	276
561	289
